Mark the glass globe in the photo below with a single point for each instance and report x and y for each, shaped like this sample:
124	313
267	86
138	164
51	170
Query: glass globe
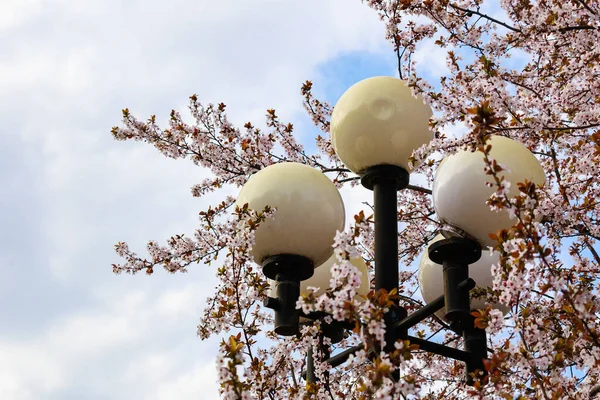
322	277
460	192
309	211
431	279
377	121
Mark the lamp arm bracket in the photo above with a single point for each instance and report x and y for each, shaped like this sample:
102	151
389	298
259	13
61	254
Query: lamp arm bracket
440	349
429	309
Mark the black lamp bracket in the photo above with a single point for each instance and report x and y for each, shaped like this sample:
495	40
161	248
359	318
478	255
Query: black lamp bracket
287	271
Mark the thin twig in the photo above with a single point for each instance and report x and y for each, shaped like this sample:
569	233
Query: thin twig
576	28
419	189
335	170
583	3
467	11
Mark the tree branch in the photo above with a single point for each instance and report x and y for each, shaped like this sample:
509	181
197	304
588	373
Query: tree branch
471	12
576	28
419	189
583	3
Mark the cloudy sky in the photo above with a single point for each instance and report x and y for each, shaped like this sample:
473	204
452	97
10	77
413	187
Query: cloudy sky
69	328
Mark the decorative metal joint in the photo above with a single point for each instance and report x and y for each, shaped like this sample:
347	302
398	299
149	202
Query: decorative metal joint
387	173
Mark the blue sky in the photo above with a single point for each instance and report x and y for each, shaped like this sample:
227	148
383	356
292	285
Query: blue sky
70	328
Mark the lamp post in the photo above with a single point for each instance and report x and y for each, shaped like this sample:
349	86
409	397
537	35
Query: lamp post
375	127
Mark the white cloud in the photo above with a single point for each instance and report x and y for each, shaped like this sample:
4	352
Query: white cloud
126	340
431	60
200	382
15	12
26	371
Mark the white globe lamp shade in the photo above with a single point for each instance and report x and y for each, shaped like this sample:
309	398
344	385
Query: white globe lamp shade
431	279
376	122
322	277
309	211
460	192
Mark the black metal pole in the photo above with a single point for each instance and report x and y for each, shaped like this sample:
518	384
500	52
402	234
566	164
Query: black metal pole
455	299
476	346
386	247
385	181
455	255
386	234
288	291
309	374
310	366
287	271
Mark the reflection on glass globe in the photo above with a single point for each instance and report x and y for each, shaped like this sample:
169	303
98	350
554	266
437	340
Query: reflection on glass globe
431	279
377	121
309	211
460	192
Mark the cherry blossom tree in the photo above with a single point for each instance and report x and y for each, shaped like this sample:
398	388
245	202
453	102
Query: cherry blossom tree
524	69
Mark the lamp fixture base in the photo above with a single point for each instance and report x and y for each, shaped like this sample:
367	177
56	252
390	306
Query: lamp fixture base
293	266
385	172
287	270
455	249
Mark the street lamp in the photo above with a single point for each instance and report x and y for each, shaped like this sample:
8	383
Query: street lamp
375	127
309	211
431	280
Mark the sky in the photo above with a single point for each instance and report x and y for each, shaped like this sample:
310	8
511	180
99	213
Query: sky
70	328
